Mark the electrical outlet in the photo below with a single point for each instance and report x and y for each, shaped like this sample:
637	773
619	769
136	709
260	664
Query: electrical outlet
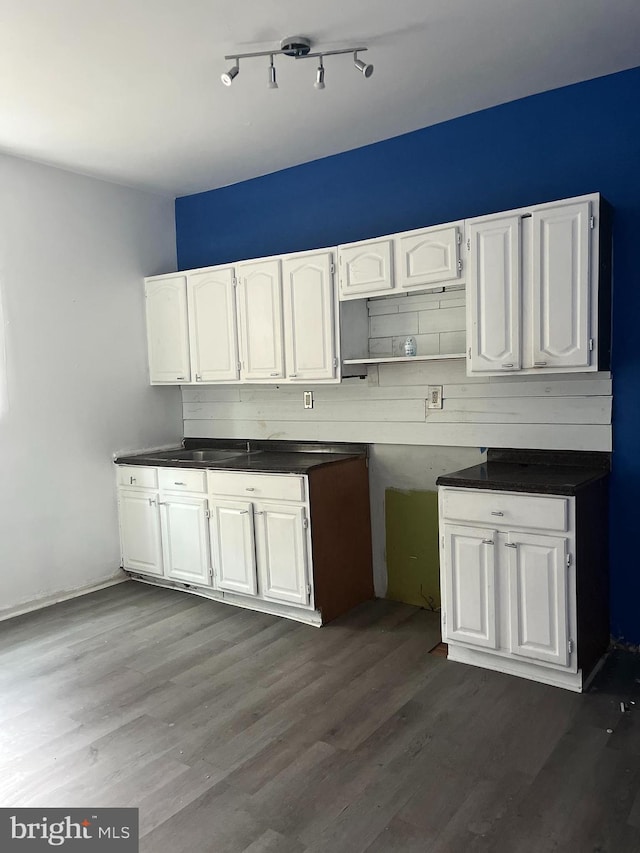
434	400
307	399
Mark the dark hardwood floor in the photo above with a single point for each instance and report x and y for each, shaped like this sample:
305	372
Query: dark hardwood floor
237	732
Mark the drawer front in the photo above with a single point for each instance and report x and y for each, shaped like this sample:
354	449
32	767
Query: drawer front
182	480
137	476
282	487
505	508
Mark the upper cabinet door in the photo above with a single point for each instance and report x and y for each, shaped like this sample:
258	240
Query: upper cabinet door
430	256
309	327
538	597
167	329
470	585
212	325
260	307
493	295
560	286
366	268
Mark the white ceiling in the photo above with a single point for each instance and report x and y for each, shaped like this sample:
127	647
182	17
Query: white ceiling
129	90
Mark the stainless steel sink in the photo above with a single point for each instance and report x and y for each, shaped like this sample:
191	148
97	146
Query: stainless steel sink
207	455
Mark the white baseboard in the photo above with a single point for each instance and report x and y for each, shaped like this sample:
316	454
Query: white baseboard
56	598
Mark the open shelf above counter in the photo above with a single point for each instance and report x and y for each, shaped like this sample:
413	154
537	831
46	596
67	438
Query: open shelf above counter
391	358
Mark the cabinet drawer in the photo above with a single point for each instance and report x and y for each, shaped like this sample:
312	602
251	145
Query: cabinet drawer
136	475
505	508
282	487
182	480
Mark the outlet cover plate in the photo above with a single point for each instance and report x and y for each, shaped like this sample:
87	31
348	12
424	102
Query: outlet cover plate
434	398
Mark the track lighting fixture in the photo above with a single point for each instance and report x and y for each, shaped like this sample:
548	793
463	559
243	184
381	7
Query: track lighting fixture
297	47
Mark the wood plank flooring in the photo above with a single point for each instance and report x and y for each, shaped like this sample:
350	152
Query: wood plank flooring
237	732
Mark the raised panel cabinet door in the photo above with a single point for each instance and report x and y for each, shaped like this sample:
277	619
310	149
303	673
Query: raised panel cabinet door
309	328
366	268
281	546
185	539
140	537
233	547
260	307
167	329
429	257
561	285
469	576
212	325
538	597
493	295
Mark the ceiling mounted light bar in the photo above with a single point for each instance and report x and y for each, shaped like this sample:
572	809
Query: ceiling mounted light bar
297	47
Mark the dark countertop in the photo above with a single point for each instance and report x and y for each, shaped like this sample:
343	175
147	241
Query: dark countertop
547	473
263	457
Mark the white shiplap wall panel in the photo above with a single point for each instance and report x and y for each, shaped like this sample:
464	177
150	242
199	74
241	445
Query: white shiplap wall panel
388	406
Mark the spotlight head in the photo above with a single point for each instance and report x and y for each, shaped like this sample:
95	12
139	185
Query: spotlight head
363	67
228	76
273	83
319	84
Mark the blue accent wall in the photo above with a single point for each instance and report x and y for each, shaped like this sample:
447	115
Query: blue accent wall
570	141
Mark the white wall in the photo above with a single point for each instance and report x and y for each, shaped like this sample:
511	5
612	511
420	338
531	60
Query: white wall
73	384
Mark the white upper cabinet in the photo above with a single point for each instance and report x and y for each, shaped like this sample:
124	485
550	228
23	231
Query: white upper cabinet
560	285
167	329
366	268
212	325
536	302
260	310
429	257
493	303
309	316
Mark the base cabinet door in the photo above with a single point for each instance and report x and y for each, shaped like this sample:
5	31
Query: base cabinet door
140	536
281	546
232	546
186	539
538	597
470	585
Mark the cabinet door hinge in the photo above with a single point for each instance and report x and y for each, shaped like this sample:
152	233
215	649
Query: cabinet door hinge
305	523
568	560
590	344
444	617
308	590
570	646
469	352
592	222
207	513
239	366
458	238
469	245
234	281
459	266
335	362
332	268
210	572
442	540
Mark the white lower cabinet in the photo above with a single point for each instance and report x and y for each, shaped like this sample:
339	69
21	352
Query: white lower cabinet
244	537
281	545
233	546
163	532
185	540
509	591
140	538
